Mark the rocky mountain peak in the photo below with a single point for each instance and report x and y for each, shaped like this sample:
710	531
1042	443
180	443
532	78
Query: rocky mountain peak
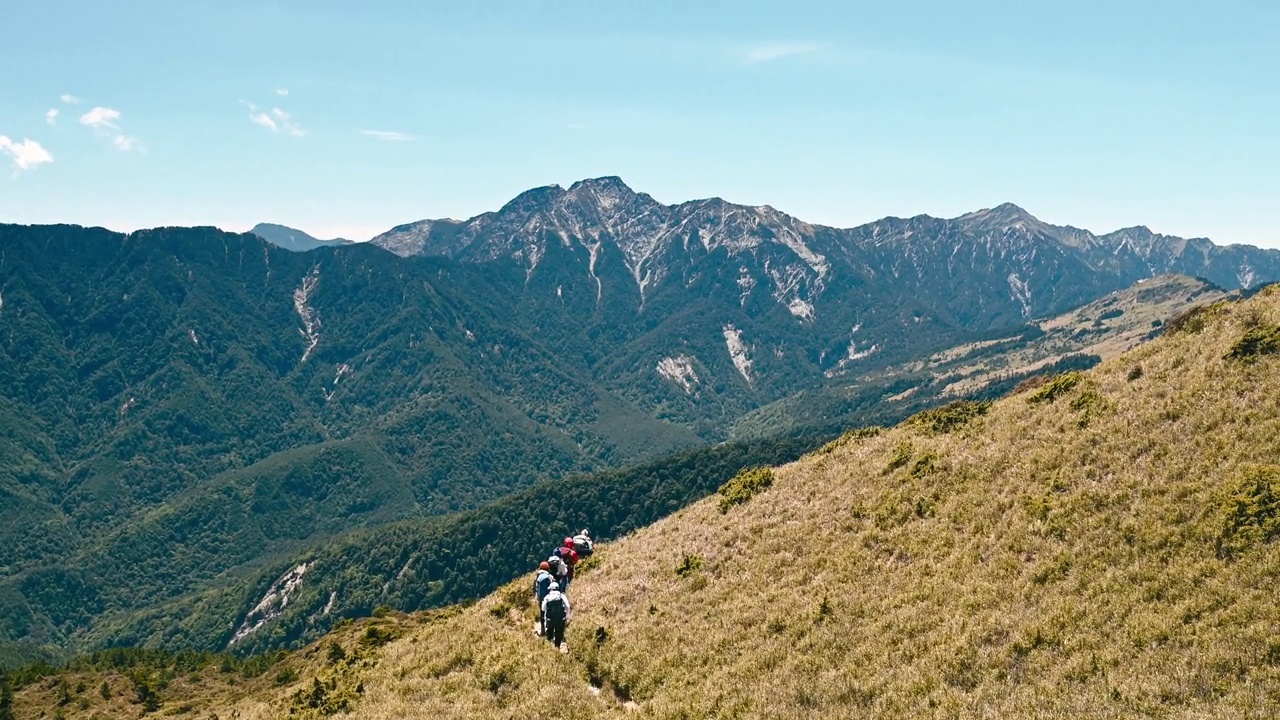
1003	217
532	200
607	185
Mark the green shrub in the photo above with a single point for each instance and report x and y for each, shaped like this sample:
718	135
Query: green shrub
824	609
1056	387
1090	404
1251	512
926	465
146	691
901	455
587	565
1135	373
335	653
375	636
849	437
690	565
949	417
1263	339
745	485
286	676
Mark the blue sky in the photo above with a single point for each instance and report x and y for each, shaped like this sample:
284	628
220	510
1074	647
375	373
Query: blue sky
345	121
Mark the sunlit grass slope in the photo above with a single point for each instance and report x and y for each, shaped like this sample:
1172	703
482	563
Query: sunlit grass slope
1098	546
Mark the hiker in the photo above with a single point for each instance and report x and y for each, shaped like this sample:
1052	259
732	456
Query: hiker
559	568
582	544
542	583
569	557
556	614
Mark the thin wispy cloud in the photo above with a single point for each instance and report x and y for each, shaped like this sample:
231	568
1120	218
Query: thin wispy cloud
769	52
51	116
276	120
388	135
25	155
105	121
282	92
124	143
263	119
69	99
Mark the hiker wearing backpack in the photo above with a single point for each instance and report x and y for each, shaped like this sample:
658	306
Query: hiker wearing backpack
556	614
582	544
569	557
558	568
542	583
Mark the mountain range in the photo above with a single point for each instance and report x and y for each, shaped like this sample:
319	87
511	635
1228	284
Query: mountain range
181	407
1096	544
789	302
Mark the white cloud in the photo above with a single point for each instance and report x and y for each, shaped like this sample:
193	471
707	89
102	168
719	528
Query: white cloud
275	120
389	135
282	92
26	154
101	118
768	52
286	123
105	122
262	119
51	117
70	99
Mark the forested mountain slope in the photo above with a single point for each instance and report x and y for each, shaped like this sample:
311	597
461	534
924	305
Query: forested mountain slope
184	383
1099	544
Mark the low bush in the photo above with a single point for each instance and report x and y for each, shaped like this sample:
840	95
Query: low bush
1056	387
926	465
690	565
745	485
848	437
949	417
1251	512
1090	404
1262	339
900	457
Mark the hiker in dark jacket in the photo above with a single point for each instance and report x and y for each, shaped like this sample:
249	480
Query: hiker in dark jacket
556	614
542	583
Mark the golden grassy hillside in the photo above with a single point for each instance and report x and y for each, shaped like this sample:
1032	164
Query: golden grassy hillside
1094	547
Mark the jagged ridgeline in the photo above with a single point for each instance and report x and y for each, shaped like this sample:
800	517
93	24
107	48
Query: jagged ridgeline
1104	543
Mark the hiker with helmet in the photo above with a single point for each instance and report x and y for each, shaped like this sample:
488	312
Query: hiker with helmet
569	557
542	583
556	614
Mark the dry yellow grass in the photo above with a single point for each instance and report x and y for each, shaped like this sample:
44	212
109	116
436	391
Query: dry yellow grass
1050	560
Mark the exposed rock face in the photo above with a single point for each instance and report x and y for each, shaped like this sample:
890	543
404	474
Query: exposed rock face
797	261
